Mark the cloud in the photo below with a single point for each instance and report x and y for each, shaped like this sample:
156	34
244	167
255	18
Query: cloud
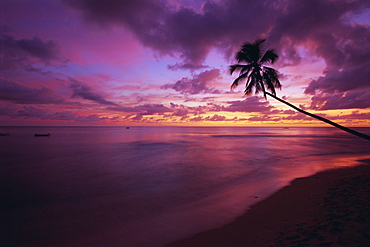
188	66
322	28
347	54
18	53
182	30
325	29
196	119
297	116
222	24
287	112
341	81
31	112
354	115
137	118
146	109
251	104
83	91
215	118
198	84
263	118
347	100
181	112
6	111
19	94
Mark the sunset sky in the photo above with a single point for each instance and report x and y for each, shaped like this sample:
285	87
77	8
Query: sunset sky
152	62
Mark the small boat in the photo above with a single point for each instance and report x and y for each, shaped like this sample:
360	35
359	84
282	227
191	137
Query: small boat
43	134
127	128
5	134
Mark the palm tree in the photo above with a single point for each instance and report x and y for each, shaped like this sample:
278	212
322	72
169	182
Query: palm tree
260	78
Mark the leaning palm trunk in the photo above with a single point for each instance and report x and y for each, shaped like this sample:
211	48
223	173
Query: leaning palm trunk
322	119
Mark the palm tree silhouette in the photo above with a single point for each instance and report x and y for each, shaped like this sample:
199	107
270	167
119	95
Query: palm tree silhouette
259	77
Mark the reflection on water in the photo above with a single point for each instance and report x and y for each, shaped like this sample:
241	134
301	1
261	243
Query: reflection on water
146	186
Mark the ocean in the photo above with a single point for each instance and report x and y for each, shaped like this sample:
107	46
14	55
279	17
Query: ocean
148	186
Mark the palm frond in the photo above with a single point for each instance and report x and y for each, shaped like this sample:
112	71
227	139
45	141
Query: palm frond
270	56
243	56
270	86
259	42
259	83
273	75
237	80
271	71
235	67
250	52
263	89
246	69
256	44
257	87
248	91
250	85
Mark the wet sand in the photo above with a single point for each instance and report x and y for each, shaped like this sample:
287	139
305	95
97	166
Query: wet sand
330	208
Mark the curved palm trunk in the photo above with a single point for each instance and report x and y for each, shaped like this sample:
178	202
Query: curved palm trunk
322	119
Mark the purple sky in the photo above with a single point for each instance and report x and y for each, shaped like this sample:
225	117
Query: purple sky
151	62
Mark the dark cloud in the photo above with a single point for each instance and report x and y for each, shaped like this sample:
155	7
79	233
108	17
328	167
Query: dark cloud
341	81
31	112
198	84
182	30
181	112
251	104
288	112
215	107
146	18
222	24
83	91
19	94
15	53
144	15
188	66
354	115
6	111
215	118
297	117
137	118
348	64
264	118
146	109
347	100
196	119
325	29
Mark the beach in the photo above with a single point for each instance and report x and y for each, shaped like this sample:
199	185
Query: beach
330	208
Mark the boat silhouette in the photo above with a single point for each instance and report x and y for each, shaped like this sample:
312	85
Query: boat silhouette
43	134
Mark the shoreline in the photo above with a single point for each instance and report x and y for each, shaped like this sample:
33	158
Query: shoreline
329	208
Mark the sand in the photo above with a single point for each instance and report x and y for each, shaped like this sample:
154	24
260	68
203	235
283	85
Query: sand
330	208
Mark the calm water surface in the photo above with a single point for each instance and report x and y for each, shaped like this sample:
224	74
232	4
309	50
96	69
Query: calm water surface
147	186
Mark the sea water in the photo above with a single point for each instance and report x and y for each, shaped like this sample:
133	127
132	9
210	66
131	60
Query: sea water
148	186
